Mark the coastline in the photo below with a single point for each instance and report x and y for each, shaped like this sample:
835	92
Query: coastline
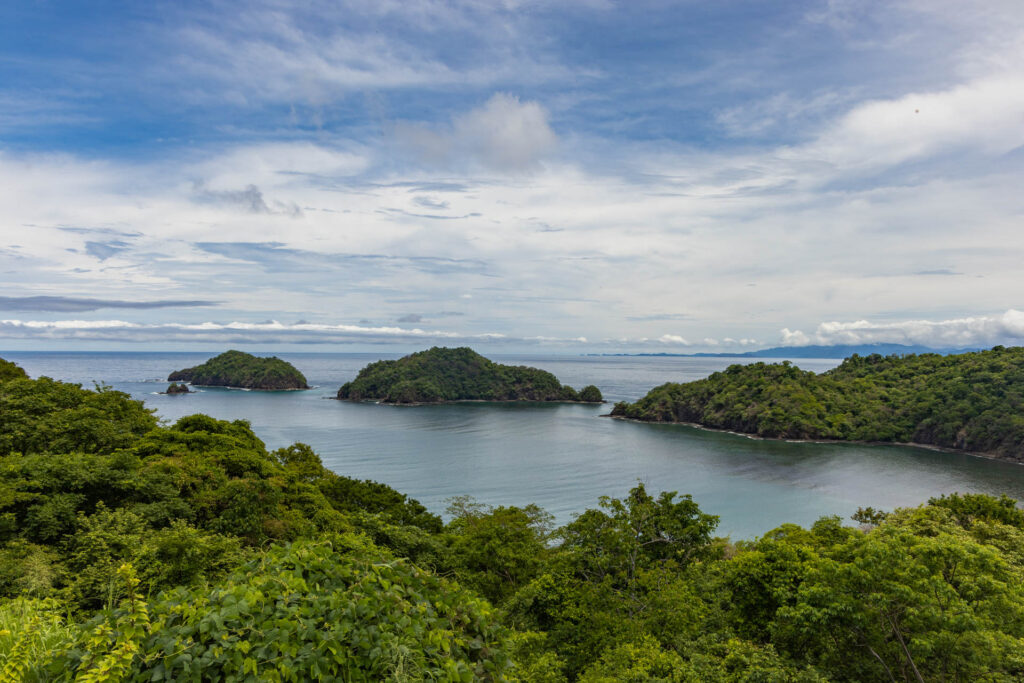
382	402
224	386
756	437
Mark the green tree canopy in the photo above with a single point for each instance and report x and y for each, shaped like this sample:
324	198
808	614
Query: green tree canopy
444	374
243	370
970	401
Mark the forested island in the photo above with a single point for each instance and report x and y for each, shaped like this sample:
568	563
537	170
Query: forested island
241	370
971	401
441	374
136	551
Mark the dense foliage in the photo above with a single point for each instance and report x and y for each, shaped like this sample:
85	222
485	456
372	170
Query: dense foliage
443	374
9	370
971	401
190	552
38	416
310	611
245	371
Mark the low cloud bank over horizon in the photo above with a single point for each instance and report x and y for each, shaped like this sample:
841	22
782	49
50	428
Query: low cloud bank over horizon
991	330
980	331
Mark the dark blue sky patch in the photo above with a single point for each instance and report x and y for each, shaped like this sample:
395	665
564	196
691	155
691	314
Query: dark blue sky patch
104	250
64	304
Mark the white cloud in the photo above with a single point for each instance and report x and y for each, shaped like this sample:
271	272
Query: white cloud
121	330
671	339
981	116
506	133
1007	328
277	165
741	342
794	338
502	134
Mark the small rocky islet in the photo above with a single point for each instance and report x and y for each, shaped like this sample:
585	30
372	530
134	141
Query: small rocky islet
442	375
239	370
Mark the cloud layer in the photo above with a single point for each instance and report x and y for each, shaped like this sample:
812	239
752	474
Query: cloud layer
65	304
982	331
512	173
269	332
502	134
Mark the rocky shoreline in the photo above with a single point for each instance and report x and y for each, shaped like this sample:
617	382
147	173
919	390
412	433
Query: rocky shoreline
756	437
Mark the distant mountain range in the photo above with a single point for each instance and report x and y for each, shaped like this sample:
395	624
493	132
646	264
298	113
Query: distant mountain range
812	351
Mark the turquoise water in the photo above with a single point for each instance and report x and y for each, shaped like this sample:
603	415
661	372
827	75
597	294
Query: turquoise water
560	456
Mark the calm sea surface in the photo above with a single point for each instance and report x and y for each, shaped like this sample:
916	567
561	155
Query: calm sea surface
560	456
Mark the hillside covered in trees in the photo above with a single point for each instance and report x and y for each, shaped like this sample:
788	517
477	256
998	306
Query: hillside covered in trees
444	374
243	371
135	551
971	401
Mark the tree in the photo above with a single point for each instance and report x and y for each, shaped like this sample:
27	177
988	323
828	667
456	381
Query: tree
639	532
497	550
916	599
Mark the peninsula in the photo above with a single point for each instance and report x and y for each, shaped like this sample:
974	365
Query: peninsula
240	370
440	375
972	402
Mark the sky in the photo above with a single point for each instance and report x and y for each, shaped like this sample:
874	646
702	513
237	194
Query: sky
571	176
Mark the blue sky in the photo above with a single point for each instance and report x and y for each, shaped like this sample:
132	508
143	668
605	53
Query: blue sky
575	175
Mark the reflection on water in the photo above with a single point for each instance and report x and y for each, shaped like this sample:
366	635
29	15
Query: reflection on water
560	456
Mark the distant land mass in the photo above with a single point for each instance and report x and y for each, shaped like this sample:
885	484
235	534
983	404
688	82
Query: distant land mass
812	351
240	370
440	374
971	401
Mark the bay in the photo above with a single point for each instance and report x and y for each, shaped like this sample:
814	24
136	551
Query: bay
560	456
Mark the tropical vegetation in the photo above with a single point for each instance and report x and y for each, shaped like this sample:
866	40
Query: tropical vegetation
971	401
244	371
132	550
443	374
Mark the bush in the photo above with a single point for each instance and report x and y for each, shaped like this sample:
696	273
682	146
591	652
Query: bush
309	612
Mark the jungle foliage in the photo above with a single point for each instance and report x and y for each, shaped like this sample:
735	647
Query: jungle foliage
971	401
444	374
245	371
190	552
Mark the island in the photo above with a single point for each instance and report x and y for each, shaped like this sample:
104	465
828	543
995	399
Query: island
240	370
441	375
175	388
970	402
